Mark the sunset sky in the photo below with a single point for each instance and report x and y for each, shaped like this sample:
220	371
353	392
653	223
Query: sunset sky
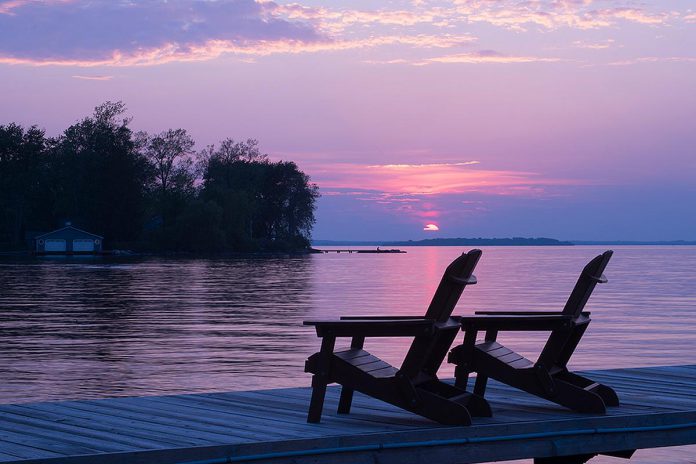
572	119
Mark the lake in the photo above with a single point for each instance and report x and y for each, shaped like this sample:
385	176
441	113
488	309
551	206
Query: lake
73	328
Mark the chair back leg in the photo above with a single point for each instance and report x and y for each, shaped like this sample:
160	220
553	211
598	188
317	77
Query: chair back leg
321	380
345	401
570	345
482	380
461	377
480	385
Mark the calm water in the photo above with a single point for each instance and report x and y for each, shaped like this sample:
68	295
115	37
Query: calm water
86	328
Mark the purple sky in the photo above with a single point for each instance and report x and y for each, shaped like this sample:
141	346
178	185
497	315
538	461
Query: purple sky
573	119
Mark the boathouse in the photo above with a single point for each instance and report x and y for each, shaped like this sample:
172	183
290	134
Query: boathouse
69	240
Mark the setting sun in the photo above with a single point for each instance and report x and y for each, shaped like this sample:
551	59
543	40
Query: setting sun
431	227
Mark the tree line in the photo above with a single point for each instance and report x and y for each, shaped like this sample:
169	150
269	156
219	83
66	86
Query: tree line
150	192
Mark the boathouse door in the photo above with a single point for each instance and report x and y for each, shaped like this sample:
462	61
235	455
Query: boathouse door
53	244
83	245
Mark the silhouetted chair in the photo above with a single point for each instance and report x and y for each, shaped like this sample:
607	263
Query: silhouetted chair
548	377
415	386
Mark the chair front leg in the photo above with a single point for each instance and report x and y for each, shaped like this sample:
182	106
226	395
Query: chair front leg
346	399
321	379
482	380
464	366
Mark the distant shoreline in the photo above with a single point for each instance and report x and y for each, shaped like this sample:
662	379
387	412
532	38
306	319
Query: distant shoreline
514	241
164	254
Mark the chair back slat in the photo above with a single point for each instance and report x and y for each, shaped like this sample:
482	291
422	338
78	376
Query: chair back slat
457	276
590	276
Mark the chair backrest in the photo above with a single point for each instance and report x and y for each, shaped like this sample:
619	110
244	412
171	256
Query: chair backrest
427	352
457	276
590	276
562	342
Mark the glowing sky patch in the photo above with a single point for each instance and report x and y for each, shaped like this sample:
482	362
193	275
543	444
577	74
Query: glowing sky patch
431	228
432	178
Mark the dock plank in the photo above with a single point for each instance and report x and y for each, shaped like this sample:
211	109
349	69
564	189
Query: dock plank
269	427
124	426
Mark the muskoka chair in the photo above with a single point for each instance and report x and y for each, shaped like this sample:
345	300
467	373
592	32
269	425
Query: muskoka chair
548	377
413	387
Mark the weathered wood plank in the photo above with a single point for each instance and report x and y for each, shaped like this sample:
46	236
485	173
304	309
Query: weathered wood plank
126	427
184	431
388	414
68	434
116	430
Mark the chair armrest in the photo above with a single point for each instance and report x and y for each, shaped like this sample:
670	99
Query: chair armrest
516	323
523	313
450	323
379	318
373	328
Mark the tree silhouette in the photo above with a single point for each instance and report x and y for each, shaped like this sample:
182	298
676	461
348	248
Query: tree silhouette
146	192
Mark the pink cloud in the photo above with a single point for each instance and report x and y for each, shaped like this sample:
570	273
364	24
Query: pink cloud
636	15
136	33
654	59
173	52
429	179
480	57
489	57
594	45
93	78
49	33
8	7
511	14
519	15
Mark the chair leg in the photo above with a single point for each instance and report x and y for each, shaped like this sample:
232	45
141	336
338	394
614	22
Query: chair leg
480	385
607	394
577	398
442	410
582	458
576	459
461	377
320	380
317	402
478	406
345	401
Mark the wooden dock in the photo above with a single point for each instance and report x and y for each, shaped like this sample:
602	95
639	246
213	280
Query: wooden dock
658	409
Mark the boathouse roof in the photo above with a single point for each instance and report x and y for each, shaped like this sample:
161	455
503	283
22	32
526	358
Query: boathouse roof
68	232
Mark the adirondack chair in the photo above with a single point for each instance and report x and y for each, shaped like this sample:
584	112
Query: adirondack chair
413	387
548	377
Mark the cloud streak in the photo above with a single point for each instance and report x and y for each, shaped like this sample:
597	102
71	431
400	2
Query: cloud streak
130	33
555	14
7	7
511	14
430	179
93	78
489	57
654	59
174	52
594	45
123	33
480	57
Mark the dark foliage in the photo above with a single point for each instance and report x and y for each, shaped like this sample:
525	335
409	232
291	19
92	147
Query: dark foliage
150	192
